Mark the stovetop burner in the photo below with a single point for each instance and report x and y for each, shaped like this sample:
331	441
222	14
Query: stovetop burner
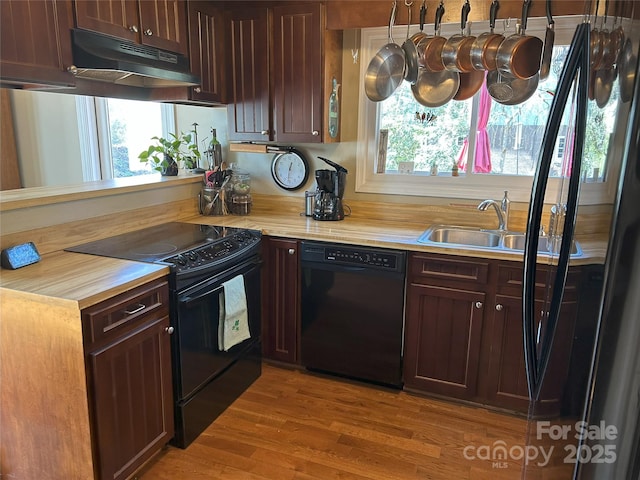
186	246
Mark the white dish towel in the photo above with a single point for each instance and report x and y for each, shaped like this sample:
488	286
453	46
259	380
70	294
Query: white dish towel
233	325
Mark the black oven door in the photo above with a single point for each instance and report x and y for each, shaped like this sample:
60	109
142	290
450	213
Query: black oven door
197	358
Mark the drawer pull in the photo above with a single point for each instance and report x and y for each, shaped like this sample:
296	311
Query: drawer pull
478	304
499	307
169	330
292	251
139	308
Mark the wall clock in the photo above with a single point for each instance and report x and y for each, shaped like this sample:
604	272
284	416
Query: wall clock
290	169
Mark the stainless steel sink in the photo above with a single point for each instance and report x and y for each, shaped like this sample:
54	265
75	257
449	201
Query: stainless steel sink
460	236
489	239
516	241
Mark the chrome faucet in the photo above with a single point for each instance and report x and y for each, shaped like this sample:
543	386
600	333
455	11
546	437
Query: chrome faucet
502	210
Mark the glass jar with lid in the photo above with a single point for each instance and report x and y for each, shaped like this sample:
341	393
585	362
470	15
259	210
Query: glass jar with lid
239	186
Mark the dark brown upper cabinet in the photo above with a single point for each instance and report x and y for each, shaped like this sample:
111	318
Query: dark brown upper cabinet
282	62
249	106
161	23
207	51
35	44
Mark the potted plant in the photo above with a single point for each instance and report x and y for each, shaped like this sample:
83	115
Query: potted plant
167	153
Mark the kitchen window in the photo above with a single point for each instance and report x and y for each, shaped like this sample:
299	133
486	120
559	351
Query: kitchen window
494	147
114	131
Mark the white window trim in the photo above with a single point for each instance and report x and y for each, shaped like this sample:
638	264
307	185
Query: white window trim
104	133
87	133
469	185
93	126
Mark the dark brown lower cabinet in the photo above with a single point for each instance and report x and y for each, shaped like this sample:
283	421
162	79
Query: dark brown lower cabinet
463	332
281	309
443	340
506	378
128	363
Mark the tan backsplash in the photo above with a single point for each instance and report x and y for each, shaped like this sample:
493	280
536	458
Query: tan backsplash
591	218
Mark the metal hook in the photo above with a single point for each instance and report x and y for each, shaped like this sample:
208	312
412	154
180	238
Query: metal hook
506	23
408	4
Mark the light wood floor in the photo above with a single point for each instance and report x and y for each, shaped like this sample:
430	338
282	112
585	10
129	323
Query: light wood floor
295	425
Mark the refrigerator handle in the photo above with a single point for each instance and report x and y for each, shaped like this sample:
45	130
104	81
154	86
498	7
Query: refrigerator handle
573	62
562	269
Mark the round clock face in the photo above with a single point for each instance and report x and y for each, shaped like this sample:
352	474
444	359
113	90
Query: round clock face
290	170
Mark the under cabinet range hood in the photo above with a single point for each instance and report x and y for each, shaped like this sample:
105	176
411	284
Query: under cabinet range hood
109	59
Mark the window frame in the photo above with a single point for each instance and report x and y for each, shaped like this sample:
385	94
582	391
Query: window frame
469	185
95	135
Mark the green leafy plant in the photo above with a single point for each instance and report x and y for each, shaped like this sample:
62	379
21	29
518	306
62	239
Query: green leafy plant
179	148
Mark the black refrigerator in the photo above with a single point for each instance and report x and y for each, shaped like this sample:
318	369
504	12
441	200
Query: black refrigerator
601	441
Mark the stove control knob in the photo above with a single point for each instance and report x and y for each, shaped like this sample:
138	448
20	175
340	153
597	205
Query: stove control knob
180	260
193	256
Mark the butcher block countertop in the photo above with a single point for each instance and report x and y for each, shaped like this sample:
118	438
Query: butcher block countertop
399	228
76	279
386	235
82	280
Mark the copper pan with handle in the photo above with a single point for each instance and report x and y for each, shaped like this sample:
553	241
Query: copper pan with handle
430	48
519	54
435	86
627	66
549	38
485	47
456	52
416	38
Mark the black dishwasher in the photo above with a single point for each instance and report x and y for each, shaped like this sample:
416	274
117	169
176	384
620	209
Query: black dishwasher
352	311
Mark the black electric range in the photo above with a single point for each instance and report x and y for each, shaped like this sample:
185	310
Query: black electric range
202	258
189	248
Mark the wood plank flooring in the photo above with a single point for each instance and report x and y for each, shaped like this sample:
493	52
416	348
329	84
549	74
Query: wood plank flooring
293	425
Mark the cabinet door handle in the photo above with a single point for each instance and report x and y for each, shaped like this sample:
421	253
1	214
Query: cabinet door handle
148	32
197	89
139	308
133	29
499	307
73	70
169	330
478	304
315	133
264	132
292	251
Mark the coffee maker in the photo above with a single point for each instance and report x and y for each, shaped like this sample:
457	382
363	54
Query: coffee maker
331	183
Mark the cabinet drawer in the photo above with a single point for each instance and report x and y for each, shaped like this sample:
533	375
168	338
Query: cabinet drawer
510	278
439	268
119	315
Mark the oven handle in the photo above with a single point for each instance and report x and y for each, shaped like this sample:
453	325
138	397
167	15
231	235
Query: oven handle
219	281
188	300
